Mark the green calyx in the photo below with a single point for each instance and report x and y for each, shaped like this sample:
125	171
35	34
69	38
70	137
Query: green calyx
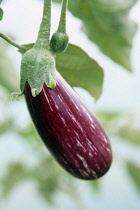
37	68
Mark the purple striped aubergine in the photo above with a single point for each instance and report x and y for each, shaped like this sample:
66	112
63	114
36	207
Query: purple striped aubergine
70	131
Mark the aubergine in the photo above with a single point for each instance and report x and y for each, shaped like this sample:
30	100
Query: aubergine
71	132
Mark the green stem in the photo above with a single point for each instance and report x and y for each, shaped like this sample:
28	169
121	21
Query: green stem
10	41
62	22
43	39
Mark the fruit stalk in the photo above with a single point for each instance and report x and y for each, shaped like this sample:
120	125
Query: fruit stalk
10	41
62	22
43	39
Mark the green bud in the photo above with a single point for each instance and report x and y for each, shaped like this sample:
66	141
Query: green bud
59	42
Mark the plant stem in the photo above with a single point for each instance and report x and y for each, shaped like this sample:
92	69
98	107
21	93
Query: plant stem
43	39
10	41
62	22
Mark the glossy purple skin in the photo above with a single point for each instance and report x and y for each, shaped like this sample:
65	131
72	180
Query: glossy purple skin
70	131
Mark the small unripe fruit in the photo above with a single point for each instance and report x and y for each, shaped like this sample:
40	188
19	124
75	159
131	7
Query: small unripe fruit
59	42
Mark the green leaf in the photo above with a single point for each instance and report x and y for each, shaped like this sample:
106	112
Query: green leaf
1	14
107	23
80	70
134	172
8	75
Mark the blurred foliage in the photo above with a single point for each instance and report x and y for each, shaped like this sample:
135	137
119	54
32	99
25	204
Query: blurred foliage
16	173
45	175
130	134
1	13
1	1
107	24
134	171
6	125
8	76
125	125
108	117
96	185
